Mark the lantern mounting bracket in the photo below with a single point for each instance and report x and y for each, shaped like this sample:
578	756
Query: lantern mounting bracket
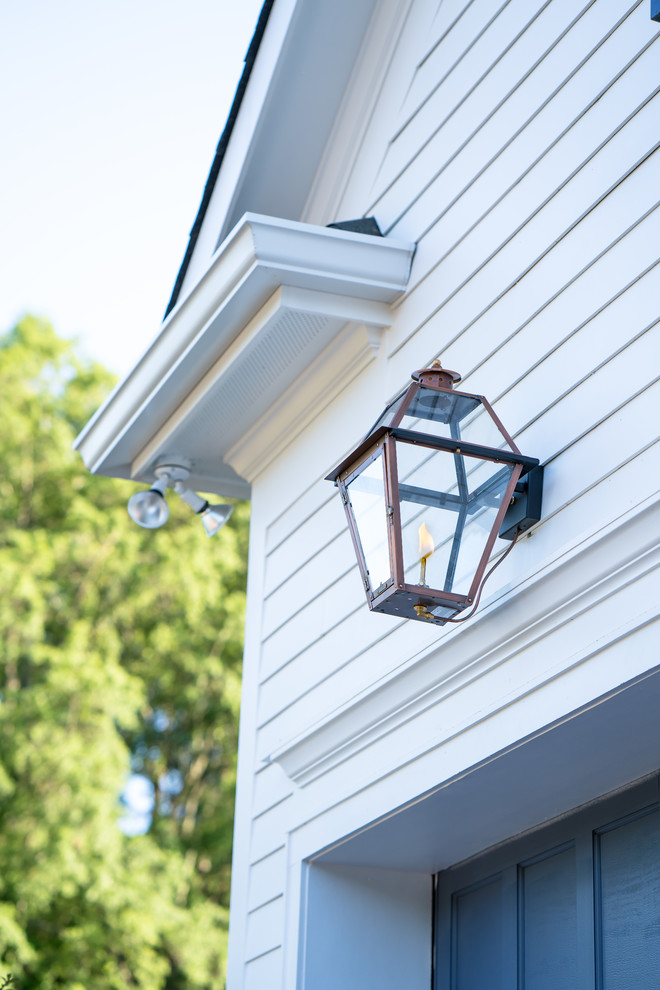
525	508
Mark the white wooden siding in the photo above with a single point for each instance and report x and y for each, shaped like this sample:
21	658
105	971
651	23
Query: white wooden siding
264	928
264	971
522	156
267	878
271	785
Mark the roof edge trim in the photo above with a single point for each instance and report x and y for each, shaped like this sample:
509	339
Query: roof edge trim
220	151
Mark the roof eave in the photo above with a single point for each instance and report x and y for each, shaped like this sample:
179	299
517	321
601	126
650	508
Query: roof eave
339	275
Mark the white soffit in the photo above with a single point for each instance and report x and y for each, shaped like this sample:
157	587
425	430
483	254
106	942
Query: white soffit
276	295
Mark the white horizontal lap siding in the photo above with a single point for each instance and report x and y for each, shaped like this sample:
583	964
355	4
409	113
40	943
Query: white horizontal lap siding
461	26
562	355
623	488
296	523
265	928
310	623
264	971
271	786
514	287
617	383
265	871
627	431
320	667
498	284
504	130
551	139
267	879
552	196
473	88
296	588
614	294
480	263
269	830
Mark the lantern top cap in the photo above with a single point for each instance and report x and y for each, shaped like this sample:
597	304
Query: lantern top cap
436	376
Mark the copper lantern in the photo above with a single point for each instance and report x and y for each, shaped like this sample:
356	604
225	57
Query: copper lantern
427	493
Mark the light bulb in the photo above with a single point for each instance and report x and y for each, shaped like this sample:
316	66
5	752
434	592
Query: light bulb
214	517
148	509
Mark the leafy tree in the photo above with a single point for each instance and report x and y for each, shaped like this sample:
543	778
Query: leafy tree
120	653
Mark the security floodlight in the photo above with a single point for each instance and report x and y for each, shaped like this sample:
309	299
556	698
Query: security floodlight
149	509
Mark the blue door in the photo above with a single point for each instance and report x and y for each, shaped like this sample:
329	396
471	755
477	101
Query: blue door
572	906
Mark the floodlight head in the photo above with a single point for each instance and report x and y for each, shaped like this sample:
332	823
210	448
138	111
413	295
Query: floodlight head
149	509
214	517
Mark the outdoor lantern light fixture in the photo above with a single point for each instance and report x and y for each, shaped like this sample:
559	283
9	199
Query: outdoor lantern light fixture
427	492
150	510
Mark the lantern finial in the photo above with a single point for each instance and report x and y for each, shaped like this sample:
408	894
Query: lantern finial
436	376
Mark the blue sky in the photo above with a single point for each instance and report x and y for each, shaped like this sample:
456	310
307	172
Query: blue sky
109	115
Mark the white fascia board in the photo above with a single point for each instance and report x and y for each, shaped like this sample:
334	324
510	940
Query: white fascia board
225	320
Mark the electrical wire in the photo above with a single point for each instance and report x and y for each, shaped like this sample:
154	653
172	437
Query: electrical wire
497	563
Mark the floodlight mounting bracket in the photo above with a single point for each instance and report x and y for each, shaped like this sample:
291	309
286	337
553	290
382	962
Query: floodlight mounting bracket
172	472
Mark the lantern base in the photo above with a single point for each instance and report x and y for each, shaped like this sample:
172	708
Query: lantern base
414	602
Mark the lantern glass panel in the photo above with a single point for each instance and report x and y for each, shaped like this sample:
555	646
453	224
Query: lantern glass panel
389	413
448	503
366	492
453	415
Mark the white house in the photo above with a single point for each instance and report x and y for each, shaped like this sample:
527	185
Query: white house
457	807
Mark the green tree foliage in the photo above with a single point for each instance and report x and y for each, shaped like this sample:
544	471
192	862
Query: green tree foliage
120	652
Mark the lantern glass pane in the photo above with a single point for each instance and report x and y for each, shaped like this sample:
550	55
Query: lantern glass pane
366	493
448	504
388	414
453	415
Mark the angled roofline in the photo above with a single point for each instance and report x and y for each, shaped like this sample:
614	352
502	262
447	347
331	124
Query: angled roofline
221	150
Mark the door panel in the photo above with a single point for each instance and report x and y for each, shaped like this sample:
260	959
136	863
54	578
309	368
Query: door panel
572	906
548	922
477	954
628	868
